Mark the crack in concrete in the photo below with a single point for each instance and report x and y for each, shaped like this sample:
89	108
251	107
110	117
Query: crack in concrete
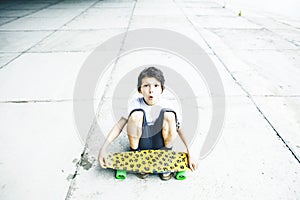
47	101
279	96
274	129
86	162
37	101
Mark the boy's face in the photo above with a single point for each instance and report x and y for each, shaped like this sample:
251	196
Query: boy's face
151	90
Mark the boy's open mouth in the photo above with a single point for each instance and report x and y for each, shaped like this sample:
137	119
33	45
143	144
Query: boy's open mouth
151	97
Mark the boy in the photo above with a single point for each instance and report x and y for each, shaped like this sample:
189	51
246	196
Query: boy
144	130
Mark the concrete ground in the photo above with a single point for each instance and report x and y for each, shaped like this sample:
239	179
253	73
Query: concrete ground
43	45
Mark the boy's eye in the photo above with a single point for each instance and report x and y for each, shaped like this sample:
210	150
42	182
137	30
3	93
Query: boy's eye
156	85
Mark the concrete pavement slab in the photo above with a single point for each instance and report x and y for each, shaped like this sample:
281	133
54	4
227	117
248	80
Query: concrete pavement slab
114	4
38	147
215	42
17	42
230	87
226	22
269	22
258	172
6	57
293	36
159	15
199	4
37	24
5	5
275	9
157	11
252	39
101	19
27	5
105	11
208	12
222	51
68	40
15	13
276	70
293	23
4	20
71	4
154	3
53	78
167	22
57	13
181	26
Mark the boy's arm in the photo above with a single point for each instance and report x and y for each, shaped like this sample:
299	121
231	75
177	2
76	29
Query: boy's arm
112	135
193	163
180	133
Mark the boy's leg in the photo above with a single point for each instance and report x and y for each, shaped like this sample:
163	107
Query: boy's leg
134	131
134	128
169	131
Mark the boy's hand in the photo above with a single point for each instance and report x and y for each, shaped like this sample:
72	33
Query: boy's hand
193	163
102	158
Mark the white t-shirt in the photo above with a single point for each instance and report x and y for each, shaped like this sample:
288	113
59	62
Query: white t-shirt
152	112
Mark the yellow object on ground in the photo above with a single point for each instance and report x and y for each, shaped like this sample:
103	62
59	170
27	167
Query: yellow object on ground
148	161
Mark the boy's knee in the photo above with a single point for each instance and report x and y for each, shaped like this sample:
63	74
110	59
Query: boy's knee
169	116
136	116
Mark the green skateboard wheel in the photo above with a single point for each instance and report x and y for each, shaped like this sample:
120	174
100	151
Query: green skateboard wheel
181	175
121	174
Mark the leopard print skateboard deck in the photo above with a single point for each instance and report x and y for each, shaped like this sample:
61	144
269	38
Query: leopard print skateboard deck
148	161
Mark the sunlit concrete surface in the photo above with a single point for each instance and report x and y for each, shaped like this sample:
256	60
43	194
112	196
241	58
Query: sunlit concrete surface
255	49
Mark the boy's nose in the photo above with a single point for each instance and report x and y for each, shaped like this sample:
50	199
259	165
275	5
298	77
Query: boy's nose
151	89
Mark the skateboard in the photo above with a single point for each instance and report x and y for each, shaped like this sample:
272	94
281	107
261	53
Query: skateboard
148	161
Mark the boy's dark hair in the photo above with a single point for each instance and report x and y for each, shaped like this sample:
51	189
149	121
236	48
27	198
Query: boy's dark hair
151	72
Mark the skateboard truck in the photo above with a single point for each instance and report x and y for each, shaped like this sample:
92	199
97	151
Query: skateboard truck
121	175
